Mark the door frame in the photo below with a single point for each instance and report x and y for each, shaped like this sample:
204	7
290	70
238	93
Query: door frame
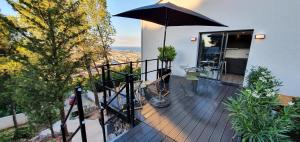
224	32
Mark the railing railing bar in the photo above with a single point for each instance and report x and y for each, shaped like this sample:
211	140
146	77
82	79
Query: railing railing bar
121	73
109	77
69	111
70	138
112	89
116	95
115	64
78	91
119	114
127	98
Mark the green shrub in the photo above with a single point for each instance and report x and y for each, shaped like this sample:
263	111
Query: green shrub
296	117
169	53
262	75
252	111
117	77
22	133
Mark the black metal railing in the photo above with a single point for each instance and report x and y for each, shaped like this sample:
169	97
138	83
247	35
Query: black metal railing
127	89
107	84
77	100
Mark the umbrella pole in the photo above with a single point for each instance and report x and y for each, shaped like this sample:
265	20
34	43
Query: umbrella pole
161	101
162	62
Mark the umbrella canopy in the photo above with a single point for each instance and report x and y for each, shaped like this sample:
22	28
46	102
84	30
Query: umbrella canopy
169	14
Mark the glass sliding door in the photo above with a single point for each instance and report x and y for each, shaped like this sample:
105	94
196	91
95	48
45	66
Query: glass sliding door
224	55
211	52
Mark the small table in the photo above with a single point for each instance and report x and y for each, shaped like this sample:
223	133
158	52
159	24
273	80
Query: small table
193	74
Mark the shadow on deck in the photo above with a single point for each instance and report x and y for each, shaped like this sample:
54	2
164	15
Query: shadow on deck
190	117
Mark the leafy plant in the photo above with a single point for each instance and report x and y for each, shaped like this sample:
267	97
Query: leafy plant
117	77
51	31
296	116
252	111
20	134
262	75
167	54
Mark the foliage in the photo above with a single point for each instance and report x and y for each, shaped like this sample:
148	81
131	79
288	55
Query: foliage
51	31
126	70
119	78
296	116
167	54
262	75
100	31
24	132
252	111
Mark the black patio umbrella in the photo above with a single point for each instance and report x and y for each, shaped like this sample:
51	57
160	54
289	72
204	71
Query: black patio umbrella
168	14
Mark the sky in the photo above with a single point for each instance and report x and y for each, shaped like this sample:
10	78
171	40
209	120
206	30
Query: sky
128	31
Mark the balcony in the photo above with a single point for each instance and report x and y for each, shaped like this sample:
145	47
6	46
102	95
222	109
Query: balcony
191	116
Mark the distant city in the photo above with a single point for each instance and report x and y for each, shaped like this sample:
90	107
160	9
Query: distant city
130	49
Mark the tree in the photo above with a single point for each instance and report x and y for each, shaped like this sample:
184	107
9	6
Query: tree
100	26
99	37
49	29
8	69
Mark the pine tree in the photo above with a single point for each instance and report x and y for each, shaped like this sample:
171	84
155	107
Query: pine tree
49	29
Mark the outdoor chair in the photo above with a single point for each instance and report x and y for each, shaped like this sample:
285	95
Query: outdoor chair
222	67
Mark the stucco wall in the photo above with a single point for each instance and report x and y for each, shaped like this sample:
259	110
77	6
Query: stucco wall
278	20
7	122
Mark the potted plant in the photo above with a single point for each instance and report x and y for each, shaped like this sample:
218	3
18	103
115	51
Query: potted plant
252	112
166	55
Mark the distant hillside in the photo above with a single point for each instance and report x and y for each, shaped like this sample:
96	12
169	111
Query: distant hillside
131	49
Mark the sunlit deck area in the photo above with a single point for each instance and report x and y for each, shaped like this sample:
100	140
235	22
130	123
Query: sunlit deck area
190	117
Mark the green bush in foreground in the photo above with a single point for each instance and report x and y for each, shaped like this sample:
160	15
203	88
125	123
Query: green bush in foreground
252	112
21	134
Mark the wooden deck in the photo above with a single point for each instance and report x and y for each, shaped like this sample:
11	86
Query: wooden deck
191	116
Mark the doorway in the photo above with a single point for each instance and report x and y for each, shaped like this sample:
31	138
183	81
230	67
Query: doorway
224	55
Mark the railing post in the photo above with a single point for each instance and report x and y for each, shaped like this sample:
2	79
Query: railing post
64	139
104	86
102	124
127	98
162	69
157	67
109	79
131	79
81	113
146	69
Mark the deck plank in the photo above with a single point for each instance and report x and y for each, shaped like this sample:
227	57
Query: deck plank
214	109
190	117
195	120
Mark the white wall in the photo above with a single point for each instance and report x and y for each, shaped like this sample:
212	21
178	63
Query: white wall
7	122
278	19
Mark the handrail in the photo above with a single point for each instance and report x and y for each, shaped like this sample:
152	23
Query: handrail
116	64
69	111
70	138
81	118
128	115
119	92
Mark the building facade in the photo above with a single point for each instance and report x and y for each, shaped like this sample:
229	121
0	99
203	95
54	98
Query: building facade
259	33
